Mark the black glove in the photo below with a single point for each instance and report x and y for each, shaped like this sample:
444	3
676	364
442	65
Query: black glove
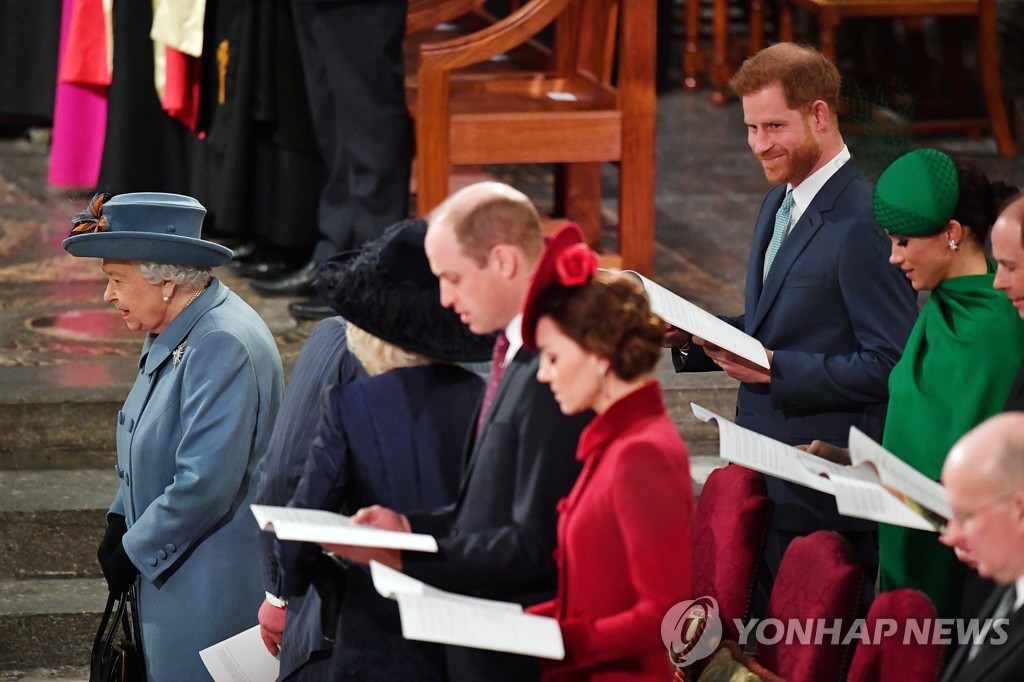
116	528
119	570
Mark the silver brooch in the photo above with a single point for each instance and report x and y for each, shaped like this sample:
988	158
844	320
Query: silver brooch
178	353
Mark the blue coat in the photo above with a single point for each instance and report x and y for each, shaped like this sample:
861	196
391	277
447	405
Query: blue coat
397	440
189	439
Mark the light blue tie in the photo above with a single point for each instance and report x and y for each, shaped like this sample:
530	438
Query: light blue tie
781	223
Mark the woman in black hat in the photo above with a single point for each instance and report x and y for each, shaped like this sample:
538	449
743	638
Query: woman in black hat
396	438
191	432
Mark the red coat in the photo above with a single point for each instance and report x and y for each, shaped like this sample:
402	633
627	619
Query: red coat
623	544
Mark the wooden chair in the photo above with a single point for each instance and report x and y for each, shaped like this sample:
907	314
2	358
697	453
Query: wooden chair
569	114
830	13
721	64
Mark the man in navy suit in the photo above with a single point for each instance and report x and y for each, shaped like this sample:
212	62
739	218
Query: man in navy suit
984	480
821	296
496	540
302	647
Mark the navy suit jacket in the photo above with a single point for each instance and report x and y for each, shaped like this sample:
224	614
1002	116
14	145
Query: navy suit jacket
497	540
396	440
836	315
1003	662
323	362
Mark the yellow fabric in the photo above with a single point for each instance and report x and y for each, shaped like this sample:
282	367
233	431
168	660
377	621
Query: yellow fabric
179	24
723	668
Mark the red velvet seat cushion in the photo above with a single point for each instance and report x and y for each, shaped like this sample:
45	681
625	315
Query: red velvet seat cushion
890	659
818	579
727	535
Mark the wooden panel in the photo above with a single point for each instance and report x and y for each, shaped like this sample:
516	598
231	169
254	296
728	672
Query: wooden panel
499	138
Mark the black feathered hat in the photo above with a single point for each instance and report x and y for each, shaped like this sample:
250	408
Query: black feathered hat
388	290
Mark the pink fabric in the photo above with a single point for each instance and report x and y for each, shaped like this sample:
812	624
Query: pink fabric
79	123
728	535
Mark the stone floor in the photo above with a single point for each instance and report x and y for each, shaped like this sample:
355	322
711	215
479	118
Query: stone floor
59	342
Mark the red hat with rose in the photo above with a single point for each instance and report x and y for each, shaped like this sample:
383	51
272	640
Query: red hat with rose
567	262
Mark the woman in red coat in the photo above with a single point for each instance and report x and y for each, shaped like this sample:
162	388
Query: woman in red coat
623	532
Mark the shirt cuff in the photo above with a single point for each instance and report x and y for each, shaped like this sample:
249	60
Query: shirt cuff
274	600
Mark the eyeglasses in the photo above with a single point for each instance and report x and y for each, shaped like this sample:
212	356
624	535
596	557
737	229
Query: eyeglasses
964	518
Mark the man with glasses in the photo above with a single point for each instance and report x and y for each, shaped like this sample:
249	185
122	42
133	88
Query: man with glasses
984	480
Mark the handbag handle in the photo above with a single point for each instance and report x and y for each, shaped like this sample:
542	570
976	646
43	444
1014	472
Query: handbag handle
105	639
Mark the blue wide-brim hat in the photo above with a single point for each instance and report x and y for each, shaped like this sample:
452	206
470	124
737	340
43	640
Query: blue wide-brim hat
145	226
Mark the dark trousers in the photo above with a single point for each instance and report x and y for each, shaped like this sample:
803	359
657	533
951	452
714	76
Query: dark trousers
352	61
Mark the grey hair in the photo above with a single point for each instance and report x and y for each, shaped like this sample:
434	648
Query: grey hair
377	355
185	276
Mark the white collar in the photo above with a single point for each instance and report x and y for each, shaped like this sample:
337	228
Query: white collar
514	334
804	193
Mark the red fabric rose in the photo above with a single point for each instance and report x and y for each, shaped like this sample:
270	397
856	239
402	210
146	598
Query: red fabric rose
576	265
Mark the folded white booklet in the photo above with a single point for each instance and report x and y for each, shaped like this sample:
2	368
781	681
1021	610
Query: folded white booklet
432	615
315	525
242	658
901	496
680	313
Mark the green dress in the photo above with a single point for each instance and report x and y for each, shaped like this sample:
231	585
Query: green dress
957	369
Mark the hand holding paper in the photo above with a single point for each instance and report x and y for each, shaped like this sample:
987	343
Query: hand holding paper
859	490
328	528
684	315
432	615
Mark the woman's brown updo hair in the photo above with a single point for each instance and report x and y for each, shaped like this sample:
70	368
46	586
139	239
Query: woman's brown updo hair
610	317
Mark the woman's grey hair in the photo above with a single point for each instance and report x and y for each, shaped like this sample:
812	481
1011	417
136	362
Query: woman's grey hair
185	276
377	355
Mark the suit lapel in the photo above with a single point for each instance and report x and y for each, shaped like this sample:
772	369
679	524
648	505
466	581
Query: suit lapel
794	244
516	366
990	655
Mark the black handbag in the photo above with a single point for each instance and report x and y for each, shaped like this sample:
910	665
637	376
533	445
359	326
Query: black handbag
117	649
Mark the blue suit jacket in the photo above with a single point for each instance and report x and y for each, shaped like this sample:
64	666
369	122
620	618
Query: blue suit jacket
397	440
836	315
323	362
497	540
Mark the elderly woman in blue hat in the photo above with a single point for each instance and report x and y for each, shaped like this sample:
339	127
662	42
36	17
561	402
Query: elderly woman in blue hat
191	432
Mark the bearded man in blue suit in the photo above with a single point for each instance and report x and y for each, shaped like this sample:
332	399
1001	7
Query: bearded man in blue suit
821	296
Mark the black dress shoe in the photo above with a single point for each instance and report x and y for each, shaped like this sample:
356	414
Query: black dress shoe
313	309
298	283
260	268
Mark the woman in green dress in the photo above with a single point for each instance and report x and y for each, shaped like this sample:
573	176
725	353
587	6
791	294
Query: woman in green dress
963	353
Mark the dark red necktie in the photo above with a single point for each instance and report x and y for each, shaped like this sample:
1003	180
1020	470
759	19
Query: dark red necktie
497	370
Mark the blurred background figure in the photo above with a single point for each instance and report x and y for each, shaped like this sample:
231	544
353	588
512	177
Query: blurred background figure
355	77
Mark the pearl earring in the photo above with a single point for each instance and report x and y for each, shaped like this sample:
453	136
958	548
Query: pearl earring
167	299
953	246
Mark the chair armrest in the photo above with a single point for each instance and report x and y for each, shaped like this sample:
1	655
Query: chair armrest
426	14
512	31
